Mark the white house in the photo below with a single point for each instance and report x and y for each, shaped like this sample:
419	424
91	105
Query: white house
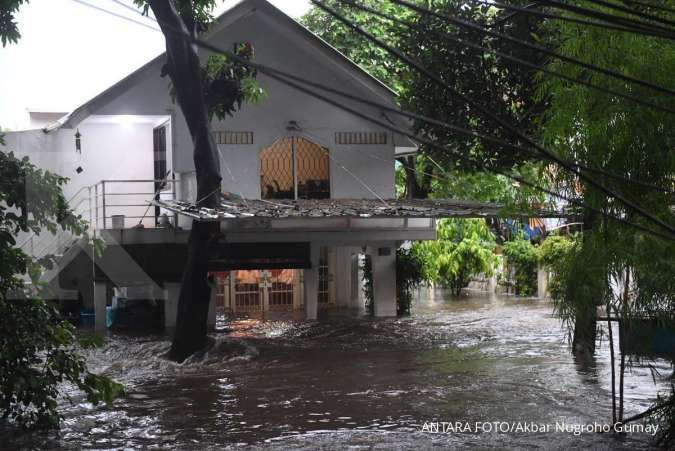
130	145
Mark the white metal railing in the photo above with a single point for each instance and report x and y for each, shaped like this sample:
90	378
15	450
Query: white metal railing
99	203
130	199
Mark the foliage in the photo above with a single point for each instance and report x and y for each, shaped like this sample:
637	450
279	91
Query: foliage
38	350
496	84
9	31
522	256
665	417
464	248
227	84
488	187
367	279
617	135
196	14
409	276
500	85
556	253
369	56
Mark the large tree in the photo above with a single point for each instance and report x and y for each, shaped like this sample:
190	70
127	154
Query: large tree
200	92
479	73
629	272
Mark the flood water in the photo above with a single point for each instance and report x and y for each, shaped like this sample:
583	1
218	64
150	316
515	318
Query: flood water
360	384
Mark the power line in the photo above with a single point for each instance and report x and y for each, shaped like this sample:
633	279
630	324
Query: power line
517	60
498	120
442	123
605	25
272	74
438	146
454	128
620	20
613	18
120	16
131	8
633	12
539	48
393	128
651	5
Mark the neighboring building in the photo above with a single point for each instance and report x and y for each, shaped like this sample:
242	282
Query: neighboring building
130	145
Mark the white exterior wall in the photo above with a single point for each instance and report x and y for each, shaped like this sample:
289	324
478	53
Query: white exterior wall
110	151
115	151
277	45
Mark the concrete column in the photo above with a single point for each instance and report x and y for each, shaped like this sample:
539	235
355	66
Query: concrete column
171	293
343	277
312	284
542	282
100	304
491	284
384	280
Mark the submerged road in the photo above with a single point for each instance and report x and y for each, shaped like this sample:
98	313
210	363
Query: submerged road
434	380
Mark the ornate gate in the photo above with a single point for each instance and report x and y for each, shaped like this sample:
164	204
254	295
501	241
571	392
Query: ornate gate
247	291
263	290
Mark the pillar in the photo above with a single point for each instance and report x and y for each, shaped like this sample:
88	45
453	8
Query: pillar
311	282
384	280
100	304
491	284
542	282
343	277
171	293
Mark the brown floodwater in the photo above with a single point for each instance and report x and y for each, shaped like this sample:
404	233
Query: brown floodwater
360	383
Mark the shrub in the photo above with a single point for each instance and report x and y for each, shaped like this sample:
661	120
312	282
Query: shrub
523	257
464	248
408	277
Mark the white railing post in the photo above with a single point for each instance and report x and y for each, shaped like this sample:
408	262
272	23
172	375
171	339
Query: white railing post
96	204
173	195
91	223
103	200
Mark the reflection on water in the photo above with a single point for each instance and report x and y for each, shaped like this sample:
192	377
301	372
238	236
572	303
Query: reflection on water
359	382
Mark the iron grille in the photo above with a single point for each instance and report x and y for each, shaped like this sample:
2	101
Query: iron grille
294	167
227	137
360	138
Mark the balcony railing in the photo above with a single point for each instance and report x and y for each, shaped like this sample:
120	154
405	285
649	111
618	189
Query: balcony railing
127	203
105	205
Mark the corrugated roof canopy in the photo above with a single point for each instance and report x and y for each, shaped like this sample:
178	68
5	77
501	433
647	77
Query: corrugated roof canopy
332	208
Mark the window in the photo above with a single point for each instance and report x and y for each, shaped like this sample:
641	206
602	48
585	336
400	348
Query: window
294	168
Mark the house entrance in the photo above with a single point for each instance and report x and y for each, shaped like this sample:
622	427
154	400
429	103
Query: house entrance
260	290
272	290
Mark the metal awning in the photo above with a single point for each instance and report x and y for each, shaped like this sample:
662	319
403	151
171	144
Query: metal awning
334	208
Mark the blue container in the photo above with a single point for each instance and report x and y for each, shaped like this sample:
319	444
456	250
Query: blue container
87	318
109	316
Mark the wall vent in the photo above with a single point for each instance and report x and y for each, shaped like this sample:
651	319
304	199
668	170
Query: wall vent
360	138
225	137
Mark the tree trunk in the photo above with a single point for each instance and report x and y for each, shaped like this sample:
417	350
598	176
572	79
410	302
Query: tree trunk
583	341
183	68
413	189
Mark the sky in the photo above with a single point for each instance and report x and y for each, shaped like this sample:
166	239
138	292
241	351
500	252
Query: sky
70	52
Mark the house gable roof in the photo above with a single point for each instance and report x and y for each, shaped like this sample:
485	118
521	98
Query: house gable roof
229	17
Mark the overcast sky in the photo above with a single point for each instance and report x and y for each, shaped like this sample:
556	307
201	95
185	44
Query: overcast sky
70	52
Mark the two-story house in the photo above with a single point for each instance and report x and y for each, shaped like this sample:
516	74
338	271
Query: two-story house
129	146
